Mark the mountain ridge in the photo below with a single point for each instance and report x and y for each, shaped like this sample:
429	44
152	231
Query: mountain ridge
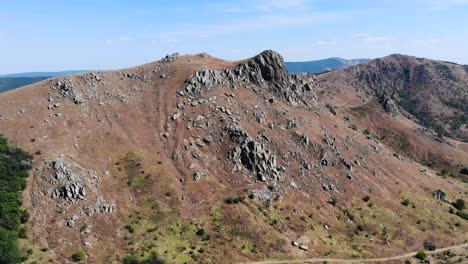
197	159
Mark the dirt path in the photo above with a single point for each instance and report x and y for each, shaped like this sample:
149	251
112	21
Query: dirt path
330	260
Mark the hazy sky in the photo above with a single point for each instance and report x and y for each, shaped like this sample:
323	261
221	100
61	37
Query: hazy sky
109	34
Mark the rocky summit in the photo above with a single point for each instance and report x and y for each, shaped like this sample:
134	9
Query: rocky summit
193	159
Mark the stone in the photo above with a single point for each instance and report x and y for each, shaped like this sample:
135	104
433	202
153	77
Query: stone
440	195
464	171
304	247
170	58
198	175
175	116
294	243
293	185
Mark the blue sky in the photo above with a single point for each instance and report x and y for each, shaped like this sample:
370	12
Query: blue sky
104	34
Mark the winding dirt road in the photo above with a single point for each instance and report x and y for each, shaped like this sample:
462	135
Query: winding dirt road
331	260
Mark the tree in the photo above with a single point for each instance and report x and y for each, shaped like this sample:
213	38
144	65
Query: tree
459	204
9	251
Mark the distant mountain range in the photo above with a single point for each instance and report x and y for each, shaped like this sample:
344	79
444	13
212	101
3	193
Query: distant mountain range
320	66
16	80
40	74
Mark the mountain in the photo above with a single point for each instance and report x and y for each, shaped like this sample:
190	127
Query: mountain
320	66
41	74
9	83
432	92
193	159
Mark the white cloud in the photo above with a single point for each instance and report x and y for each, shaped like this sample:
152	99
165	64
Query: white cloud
373	38
264	22
266	6
125	39
436	5
326	43
270	5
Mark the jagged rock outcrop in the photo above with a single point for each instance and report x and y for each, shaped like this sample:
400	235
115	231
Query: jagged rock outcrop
170	57
440	195
69	182
254	156
265	71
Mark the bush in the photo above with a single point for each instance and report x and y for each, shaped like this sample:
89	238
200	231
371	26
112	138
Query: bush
366	198
429	245
79	255
22	232
406	202
459	204
130	260
421	255
130	228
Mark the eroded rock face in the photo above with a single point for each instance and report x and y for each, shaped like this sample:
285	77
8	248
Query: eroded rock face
68	181
265	71
68	184
254	156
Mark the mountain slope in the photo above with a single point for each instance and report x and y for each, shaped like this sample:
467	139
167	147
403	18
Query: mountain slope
320	66
433	93
199	160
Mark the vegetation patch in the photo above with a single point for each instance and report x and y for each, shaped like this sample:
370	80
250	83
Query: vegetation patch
421	255
79	255
445	71
14	167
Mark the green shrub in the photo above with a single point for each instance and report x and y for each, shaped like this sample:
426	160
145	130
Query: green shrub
130	228
421	255
79	255
406	202
130	260
22	232
366	198
459	204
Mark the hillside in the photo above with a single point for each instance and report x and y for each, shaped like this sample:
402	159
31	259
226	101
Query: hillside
193	159
432	93
320	66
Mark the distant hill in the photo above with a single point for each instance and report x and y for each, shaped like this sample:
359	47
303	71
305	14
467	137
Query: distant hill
320	66
41	74
10	83
16	80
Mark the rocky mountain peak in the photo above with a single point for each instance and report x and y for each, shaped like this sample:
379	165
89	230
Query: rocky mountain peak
271	65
